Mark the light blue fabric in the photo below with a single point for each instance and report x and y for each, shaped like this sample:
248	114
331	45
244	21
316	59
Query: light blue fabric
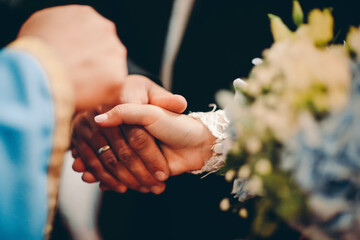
26	129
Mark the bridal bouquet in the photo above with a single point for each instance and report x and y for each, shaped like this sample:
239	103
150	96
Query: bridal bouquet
295	132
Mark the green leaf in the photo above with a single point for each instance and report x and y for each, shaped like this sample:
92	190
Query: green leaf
297	14
279	30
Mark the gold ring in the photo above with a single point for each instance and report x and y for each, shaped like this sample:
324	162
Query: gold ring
103	149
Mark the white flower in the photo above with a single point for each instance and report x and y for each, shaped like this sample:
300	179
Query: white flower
243	213
253	145
230	175
244	172
225	204
254	88
239	83
271	100
254	185
224	98
263	166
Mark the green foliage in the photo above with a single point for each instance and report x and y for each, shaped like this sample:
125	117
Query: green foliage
297	14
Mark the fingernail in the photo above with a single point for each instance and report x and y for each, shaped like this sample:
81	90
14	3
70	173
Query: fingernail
160	175
101	118
157	190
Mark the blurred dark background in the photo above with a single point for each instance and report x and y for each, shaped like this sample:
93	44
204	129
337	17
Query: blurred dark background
222	38
222	35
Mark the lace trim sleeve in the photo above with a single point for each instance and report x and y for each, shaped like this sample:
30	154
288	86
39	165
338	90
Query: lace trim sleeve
217	123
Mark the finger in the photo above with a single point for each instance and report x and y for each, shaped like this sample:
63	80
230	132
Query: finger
132	93
122	188
173	103
132	114
148	151
168	127
109	160
88	177
78	165
103	187
162	98
133	166
94	166
150	93
87	131
74	152
119	171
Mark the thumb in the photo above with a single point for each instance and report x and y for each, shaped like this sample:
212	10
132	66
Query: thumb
132	114
171	102
162	98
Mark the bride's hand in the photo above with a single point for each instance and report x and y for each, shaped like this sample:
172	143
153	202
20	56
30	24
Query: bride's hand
134	160
185	141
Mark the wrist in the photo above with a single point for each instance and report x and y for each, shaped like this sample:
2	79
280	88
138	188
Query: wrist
215	125
207	144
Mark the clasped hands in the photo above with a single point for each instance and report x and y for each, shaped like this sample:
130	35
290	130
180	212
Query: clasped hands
148	136
149	139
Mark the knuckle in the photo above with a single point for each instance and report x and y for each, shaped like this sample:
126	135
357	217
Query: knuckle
83	10
119	109
87	8
111	26
144	177
147	181
122	50
112	134
133	185
126	156
138	139
108	27
35	15
92	167
109	160
110	183
81	122
154	165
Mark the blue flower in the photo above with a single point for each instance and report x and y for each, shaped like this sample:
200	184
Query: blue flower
324	158
239	190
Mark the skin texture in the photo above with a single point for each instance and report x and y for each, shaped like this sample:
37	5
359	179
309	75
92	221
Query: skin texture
134	160
185	142
88	46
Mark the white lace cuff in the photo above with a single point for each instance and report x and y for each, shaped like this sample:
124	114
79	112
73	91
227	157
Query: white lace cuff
217	123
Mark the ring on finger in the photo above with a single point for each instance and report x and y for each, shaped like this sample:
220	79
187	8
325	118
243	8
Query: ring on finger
103	149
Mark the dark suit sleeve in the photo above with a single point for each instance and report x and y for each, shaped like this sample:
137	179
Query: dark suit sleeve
133	68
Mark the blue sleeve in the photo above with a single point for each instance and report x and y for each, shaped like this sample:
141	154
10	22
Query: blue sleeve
26	128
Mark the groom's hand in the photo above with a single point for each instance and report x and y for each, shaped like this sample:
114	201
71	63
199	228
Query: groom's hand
134	159
87	45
